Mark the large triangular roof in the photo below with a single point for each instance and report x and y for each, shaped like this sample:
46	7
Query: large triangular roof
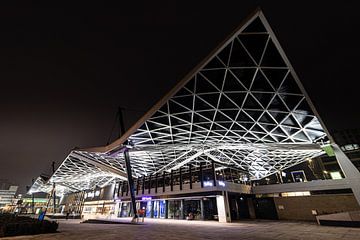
243	107
257	59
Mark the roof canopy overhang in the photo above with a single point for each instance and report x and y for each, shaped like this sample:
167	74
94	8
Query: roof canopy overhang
243	107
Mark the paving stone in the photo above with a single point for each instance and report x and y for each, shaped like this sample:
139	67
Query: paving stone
185	230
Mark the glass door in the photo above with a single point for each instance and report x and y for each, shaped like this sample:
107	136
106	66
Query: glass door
162	206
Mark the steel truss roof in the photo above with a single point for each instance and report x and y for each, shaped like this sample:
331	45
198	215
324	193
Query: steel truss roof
243	107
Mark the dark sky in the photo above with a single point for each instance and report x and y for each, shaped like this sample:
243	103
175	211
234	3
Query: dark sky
64	70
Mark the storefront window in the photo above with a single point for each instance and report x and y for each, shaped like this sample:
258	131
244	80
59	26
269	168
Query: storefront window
156	209
192	209
174	210
210	209
148	209
125	209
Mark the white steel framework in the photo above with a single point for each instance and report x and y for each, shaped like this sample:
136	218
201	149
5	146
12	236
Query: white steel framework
243	107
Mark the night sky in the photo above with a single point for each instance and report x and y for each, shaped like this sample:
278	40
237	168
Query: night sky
65	70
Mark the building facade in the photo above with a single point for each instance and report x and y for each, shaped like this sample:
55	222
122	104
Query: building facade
7	196
238	137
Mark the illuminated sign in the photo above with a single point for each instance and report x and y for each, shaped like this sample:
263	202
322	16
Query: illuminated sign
221	183
90	195
208	183
146	198
93	194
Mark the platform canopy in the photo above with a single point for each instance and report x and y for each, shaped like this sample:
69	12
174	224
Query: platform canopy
242	107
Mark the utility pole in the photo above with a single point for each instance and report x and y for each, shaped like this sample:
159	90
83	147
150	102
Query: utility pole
128	165
54	203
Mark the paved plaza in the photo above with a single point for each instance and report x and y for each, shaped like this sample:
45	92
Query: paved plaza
178	229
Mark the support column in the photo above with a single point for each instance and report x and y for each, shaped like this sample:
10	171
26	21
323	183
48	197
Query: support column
182	209
213	172
202	209
280	177
164	175
143	185
137	185
181	180
222	203
156	182
172	180
352	174
190	175
149	190
128	166
201	175
130	182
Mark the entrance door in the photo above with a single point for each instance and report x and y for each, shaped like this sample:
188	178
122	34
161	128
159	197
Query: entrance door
148	209
265	208
210	208
162	206
125	209
192	207
156	209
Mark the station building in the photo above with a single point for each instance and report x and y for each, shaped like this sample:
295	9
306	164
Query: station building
238	137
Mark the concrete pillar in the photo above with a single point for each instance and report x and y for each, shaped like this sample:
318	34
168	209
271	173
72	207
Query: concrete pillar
202	209
352	174
182	209
222	203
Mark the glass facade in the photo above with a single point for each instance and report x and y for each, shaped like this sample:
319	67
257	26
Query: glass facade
201	208
125	209
175	209
186	176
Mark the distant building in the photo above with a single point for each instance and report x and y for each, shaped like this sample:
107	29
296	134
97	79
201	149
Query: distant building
349	142
7	195
347	136
33	202
324	166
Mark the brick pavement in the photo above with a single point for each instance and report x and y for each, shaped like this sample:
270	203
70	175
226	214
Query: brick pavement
184	230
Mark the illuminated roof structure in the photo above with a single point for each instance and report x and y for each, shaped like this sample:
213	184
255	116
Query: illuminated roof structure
243	107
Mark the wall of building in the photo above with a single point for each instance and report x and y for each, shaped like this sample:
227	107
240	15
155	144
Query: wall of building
300	207
7	196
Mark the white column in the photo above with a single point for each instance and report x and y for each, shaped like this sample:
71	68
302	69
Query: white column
222	204
202	209
182	210
352	174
